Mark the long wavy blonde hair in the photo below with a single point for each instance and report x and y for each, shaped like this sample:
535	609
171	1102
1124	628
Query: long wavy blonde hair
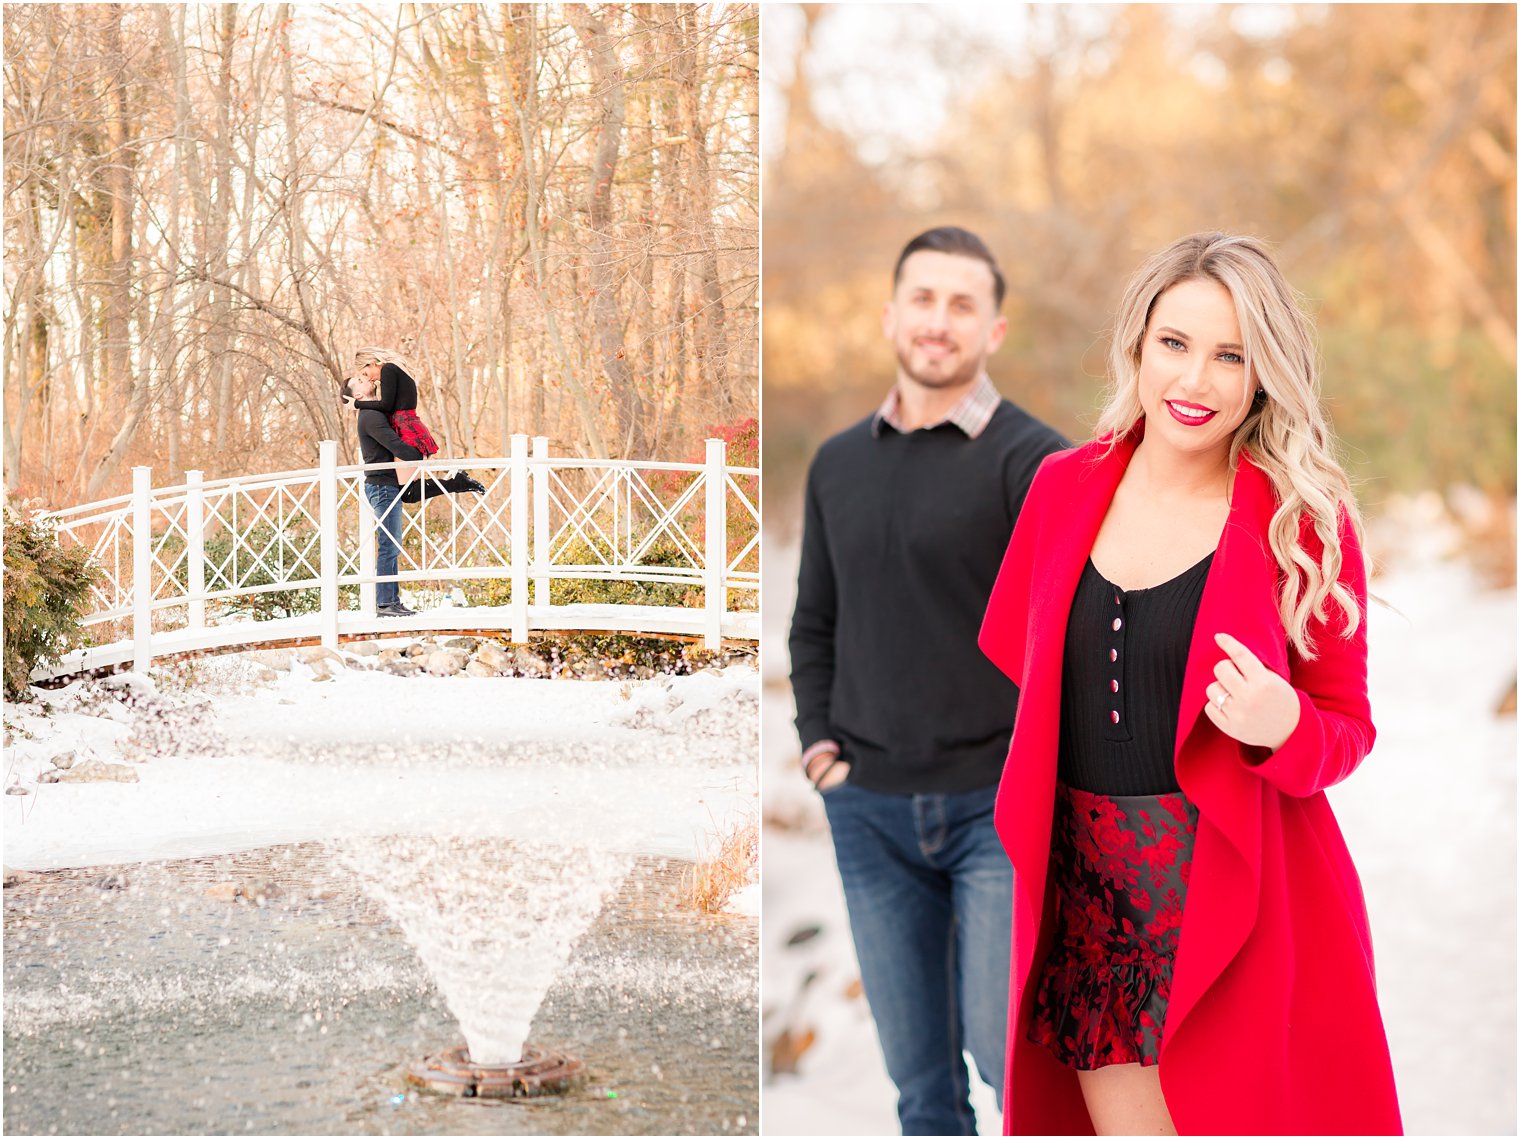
1285	433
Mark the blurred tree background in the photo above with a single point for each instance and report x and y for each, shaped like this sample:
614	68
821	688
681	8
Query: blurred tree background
552	209
1372	145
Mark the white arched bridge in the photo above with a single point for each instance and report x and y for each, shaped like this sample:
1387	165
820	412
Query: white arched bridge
291	556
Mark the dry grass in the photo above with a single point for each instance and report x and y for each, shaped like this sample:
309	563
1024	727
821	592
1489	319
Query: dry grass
710	883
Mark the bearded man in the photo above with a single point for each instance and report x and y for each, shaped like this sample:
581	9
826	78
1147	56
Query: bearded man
904	724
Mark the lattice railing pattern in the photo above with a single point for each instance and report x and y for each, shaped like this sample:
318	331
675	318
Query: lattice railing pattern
604	518
743	526
107	534
215	543
459	532
262	536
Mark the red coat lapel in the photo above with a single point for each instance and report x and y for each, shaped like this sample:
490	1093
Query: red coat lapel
1025	634
1238	599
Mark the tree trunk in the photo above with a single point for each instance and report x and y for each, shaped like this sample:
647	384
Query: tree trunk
525	109
118	298
607	79
711	320
324	414
216	249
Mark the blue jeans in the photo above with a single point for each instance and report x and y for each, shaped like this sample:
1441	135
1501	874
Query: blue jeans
382	500
930	895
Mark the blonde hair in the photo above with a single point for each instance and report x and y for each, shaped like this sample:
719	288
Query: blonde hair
1285	433
364	357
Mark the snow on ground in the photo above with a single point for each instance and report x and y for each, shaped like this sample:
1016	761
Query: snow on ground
745	901
1429	818
648	767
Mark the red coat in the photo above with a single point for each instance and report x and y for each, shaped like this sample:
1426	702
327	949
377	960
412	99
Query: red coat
1273	1025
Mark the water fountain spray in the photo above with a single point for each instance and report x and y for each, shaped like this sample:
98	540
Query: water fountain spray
494	922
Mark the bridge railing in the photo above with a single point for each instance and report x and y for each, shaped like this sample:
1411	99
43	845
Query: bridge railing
180	564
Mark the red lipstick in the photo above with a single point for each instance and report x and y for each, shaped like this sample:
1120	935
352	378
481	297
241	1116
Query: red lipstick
1180	409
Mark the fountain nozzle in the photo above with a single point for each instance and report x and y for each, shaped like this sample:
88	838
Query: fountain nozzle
538	1073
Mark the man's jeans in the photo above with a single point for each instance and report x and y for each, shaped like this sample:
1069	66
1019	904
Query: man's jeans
930	895
382	500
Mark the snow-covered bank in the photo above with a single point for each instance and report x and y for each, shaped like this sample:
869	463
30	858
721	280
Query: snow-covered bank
640	766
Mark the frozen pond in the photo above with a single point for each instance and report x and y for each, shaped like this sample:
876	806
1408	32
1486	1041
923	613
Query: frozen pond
205	949
137	1002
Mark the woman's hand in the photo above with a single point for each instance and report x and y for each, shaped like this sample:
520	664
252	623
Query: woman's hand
1248	701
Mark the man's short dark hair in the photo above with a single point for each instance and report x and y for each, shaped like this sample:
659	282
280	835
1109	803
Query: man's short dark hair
962	243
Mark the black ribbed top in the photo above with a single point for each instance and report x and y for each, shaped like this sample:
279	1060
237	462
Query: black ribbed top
1121	682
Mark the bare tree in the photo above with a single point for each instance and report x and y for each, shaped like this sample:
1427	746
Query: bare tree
208	209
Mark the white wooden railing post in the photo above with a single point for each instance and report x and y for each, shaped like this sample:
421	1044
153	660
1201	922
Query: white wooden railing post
142	568
624	533
622	510
195	547
520	506
368	552
717	545
327	500
541	522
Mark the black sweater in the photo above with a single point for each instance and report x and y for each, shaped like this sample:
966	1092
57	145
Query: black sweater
902	538
379	443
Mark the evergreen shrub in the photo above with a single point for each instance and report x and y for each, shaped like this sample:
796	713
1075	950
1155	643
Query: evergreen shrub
45	593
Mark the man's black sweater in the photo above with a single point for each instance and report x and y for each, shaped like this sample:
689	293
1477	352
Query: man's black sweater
902	538
379	443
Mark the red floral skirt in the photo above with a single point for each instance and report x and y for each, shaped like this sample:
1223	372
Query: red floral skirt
413	432
1120	864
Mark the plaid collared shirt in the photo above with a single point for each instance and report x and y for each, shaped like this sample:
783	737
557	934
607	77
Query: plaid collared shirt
971	414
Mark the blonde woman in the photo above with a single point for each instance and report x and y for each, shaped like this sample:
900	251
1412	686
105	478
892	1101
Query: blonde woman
1183	607
395	396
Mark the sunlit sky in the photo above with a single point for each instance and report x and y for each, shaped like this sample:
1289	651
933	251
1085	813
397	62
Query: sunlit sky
881	70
